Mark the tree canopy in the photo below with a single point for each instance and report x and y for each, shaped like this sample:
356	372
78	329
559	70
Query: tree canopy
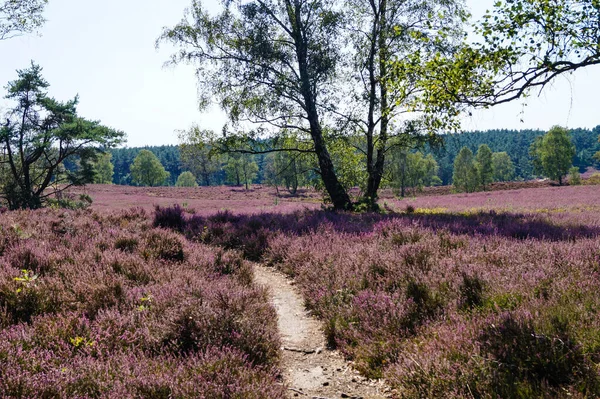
485	167
20	16
518	46
317	70
39	135
465	177
268	62
553	153
146	170
186	179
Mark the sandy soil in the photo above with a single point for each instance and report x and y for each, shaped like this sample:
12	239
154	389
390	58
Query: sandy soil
309	368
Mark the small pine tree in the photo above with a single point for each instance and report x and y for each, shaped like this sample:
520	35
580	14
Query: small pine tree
485	169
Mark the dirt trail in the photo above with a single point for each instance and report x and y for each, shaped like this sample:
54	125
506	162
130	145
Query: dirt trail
309	369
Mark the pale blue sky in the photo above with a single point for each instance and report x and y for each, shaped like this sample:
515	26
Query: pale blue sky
104	51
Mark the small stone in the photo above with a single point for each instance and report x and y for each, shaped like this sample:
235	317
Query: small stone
326	384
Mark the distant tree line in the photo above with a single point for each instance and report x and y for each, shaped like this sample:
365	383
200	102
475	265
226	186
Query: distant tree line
471	160
515	143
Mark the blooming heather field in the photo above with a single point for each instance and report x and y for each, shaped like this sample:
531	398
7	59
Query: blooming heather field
470	297
486	295
204	200
109	307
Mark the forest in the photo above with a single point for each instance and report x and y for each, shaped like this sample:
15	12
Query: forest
515	143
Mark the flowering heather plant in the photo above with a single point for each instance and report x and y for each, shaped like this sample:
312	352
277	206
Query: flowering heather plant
487	303
96	306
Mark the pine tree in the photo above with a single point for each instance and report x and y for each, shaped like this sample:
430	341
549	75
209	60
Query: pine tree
466	176
484	166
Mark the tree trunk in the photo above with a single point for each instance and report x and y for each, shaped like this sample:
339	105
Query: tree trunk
375	167
337	193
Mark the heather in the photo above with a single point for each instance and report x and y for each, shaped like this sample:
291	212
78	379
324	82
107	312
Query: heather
108	306
470	303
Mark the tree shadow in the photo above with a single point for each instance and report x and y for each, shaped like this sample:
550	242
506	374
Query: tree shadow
250	233
520	226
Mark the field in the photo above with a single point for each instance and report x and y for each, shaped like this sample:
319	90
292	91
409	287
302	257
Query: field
486	295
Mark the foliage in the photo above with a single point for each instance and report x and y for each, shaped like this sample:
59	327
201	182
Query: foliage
20	16
412	170
520	45
103	169
146	170
502	164
39	135
168	155
88	314
240	169
466	177
574	176
383	109
553	153
197	154
485	166
268	63
274	167
416	297
169	218
516	144
186	179
292	170
70	201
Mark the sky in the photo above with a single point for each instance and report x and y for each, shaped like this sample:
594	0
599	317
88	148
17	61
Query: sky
104	51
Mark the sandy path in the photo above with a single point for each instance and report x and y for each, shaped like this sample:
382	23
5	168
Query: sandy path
309	369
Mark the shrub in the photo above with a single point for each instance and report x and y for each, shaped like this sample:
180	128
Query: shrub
106	314
126	244
527	360
574	176
169	218
162	244
471	292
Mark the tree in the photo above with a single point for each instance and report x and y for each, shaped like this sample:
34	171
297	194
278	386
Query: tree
504	169
103	169
574	176
40	133
521	45
290	169
485	168
146	170
597	153
553	154
268	62
241	169
186	179
20	16
465	177
197	155
413	170
379	32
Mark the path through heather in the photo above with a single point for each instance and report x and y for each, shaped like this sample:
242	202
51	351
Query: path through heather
309	369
